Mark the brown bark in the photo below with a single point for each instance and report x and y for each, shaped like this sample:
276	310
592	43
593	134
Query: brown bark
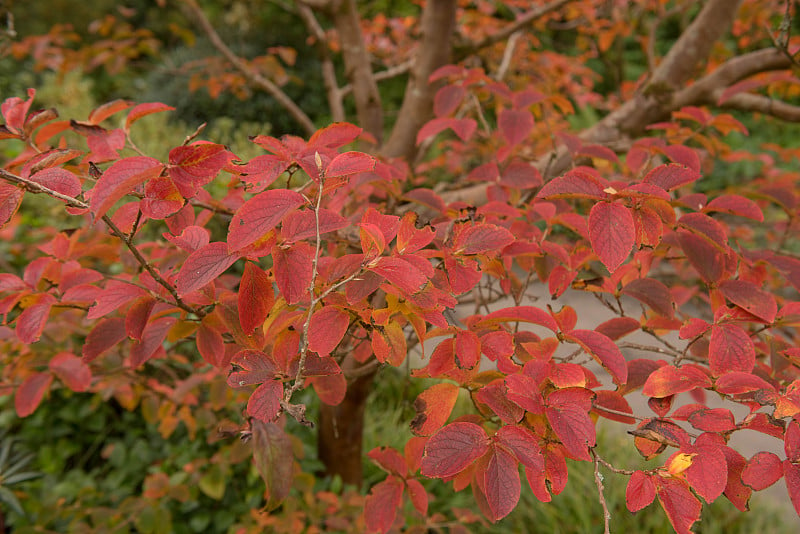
341	429
359	68
434	50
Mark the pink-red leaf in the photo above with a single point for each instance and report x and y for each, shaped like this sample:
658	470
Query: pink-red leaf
292	268
751	298
400	273
611	233
327	328
681	506
382	503
640	491
204	265
193	166
272	452
32	320
120	179
152	339
653	293
265	402
30	393
349	163
515	125
452	449
602	349
670	380
501	483
464	128
736	205
730	349
573	184
483	239
259	215
105	335
671	175
567	410
72	371
763	470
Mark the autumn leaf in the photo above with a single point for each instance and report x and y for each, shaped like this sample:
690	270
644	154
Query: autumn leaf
72	371
567	411
259	215
763	470
670	380
30	393
501	482
751	298
612	233
349	163
452	449
327	328
681	506
433	407
641	491
255	297
382	503
121	179
671	176
602	349
730	349
272	452
204	265
482	239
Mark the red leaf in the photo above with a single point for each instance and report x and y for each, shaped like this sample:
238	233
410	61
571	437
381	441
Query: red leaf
14	110
152	339
574	184
523	443
618	327
524	391
735	205
30	393
138	315
10	199
162	198
433	407
704	256
452	449
292	268
763	470
204	265
115	295
669	380
389	343
735	490
612	233
105	335
210	345
400	273
72	371
327	328
482	239
59	180
349	163
693	328
418	495
640	491
567	410
521	175
494	395
730	349
255	298
142	110
708	473
382	503
713	420
791	475
751	298
193	166
501	482
389	460
614	401
299	225
737	382
524	314
32	320
330	389
120	179
272	452
259	215
410	239
468	349
681	506
255	367
603	350
335	135
515	125
447	99
653	293
104	111
464	128
671	175
265	402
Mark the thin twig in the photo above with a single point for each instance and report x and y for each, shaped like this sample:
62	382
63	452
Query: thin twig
598	480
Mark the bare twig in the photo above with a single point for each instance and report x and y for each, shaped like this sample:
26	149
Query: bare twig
598	480
508	54
249	73
380	76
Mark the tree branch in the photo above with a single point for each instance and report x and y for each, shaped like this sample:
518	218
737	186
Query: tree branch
434	50
387	74
358	66
250	75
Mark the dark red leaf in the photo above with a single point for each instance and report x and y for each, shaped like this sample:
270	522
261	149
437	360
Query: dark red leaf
210	345
138	315
335	135
653	293
618	327
152	339
10	199
452	449
671	175
494	395
382	503
567	410
106	334
612	233
640	491
59	180
501	482
255	298
524	391
730	349
614	401
713	420
292	268
736	205
204	265
737	382
265	402
389	460
30	393
32	320
523	443
254	367
573	184
400	273
193	166
115	295
447	99
259	215
791	475
482	239
464	128
524	314
751	298
299	225
121	179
